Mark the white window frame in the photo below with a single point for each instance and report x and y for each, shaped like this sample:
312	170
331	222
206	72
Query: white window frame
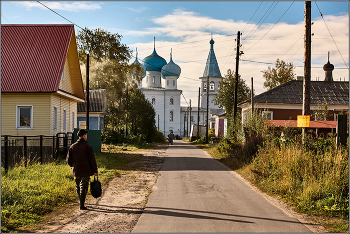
212	86
54	118
335	116
268	112
204	86
18	117
64	120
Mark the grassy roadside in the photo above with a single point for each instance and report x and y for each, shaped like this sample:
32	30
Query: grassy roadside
314	182
30	193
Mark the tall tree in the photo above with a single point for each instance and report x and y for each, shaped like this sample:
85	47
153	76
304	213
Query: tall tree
110	70
282	73
225	96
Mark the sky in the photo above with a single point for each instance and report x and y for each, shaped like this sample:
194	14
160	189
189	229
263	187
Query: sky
270	30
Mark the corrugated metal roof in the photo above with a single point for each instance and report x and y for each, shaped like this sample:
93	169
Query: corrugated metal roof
335	93
97	101
33	56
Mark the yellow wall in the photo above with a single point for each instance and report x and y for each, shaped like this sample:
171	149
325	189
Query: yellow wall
41	115
62	103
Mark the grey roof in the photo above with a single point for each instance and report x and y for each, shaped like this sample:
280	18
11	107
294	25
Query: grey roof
97	101
335	93
212	67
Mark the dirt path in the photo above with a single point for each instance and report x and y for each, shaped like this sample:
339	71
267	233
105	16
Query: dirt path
119	207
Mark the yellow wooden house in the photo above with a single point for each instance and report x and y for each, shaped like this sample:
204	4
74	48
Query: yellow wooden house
41	81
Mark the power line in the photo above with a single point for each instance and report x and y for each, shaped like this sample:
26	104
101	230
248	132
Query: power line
5	18
331	35
271	27
60	15
252	16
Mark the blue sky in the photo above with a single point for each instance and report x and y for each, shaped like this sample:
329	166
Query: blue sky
270	30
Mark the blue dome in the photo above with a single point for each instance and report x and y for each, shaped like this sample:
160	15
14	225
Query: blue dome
154	62
143	67
171	69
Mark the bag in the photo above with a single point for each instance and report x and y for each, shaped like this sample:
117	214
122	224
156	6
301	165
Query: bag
95	188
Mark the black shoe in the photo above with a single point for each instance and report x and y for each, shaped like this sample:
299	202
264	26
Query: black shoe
83	208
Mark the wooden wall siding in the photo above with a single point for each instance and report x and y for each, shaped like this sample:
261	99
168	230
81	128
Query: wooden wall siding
62	103
41	114
66	83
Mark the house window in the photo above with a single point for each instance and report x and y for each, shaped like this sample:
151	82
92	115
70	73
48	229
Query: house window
212	86
171	101
24	117
167	82
171	116
73	117
64	120
335	117
55	118
153	101
268	115
82	124
173	82
154	79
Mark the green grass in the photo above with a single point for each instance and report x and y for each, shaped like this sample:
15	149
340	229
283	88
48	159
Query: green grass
29	193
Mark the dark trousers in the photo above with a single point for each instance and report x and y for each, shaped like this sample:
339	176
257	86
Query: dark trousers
82	185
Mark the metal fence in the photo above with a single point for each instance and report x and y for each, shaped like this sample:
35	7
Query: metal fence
26	150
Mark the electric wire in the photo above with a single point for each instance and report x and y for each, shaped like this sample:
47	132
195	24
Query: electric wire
5	18
271	27
331	35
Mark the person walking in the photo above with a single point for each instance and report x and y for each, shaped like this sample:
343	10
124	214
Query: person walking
171	137
82	160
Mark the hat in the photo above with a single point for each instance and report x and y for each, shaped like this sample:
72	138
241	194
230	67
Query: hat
82	132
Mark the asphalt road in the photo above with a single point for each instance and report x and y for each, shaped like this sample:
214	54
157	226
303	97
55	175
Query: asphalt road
196	193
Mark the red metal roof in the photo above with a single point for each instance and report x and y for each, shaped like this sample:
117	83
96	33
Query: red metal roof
293	123
33	56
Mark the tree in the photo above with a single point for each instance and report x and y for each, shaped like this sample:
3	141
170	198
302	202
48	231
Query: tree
110	70
224	98
283	72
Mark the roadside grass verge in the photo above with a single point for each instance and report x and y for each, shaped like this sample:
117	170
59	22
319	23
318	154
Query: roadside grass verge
29	193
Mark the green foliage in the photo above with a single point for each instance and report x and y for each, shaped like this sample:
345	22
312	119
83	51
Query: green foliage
282	73
225	97
322	111
29	193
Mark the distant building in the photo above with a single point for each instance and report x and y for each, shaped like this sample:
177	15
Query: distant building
97	110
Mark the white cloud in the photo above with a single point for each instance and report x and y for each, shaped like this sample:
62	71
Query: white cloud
285	41
137	10
66	6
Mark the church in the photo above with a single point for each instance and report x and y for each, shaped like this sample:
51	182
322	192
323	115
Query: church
160	88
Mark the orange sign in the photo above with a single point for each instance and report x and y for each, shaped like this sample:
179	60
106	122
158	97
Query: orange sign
303	121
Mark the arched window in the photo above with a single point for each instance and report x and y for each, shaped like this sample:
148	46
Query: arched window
167	82
171	116
153	101
154	79
171	101
173	82
212	86
205	86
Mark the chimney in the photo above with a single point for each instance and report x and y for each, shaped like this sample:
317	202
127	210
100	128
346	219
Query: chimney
328	68
300	78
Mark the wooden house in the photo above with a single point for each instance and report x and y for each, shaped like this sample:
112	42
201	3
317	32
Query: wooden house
41	81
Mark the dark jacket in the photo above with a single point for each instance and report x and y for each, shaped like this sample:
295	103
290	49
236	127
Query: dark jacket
82	159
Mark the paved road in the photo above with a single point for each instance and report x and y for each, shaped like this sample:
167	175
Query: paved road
196	193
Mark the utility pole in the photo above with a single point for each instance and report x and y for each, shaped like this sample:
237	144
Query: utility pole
87	91
236	76
187	122
158	122
252	98
207	127
190	115
307	60
199	97
126	116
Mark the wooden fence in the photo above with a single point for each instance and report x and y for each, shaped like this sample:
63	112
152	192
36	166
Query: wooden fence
26	150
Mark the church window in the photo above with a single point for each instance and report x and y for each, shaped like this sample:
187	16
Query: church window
205	86
147	79
167	82
153	101
171	116
154	79
212	86
192	120
171	101
173	82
